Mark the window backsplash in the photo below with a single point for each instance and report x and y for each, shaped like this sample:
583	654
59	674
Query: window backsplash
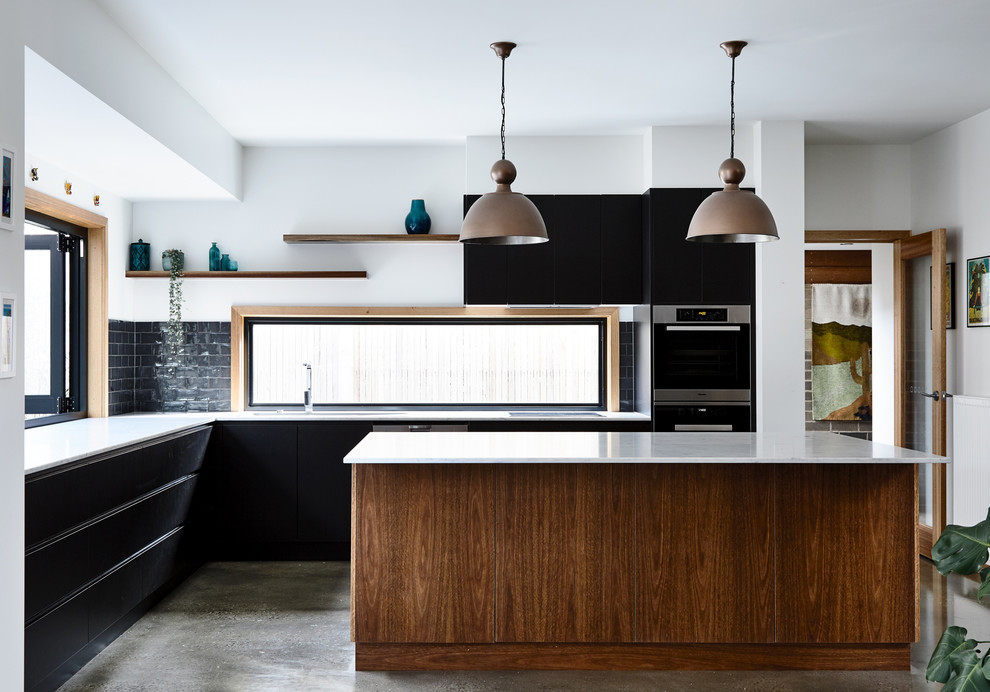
139	383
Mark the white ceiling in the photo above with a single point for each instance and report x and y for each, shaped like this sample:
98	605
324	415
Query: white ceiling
319	72
66	125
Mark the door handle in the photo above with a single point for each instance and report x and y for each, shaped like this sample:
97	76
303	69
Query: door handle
946	395
934	396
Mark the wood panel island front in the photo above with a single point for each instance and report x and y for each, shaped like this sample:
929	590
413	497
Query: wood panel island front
732	551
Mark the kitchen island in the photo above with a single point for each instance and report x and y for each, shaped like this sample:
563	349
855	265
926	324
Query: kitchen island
633	551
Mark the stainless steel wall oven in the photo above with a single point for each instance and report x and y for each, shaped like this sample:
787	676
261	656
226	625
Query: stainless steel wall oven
702	368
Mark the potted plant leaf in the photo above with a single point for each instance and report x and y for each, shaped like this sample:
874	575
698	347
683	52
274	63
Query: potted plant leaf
958	661
173	262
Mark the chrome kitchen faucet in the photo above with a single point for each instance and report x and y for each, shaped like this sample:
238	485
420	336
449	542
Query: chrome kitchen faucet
308	392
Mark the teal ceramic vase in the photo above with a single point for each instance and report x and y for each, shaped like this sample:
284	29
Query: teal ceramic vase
417	220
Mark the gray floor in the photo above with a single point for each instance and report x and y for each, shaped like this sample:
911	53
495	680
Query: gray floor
246	626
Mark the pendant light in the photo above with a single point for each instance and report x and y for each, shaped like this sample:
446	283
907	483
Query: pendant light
732	215
503	217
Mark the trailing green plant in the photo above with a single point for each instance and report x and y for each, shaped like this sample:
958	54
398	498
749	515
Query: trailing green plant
173	331
958	661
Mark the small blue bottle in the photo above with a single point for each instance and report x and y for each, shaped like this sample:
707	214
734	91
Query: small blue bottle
214	258
417	220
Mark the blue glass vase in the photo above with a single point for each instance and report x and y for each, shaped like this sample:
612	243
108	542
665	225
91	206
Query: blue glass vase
214	263
417	220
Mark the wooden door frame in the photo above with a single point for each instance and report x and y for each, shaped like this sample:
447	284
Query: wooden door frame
907	246
97	322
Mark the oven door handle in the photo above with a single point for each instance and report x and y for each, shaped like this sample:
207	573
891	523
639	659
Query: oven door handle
712	328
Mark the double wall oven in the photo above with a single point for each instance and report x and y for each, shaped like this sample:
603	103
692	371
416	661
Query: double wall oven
702	368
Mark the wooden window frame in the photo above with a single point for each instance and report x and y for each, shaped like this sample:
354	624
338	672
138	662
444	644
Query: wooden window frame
240	313
97	320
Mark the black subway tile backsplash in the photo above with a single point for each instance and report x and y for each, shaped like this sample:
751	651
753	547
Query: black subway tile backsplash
140	383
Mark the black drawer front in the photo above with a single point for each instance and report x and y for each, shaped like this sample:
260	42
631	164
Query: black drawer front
121	479
69	563
50	641
65	499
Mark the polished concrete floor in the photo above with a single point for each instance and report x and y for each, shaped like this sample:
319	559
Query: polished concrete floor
247	626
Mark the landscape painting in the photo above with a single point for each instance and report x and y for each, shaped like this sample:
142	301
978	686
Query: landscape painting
841	360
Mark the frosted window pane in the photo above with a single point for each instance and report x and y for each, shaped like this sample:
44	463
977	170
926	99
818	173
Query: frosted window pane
392	364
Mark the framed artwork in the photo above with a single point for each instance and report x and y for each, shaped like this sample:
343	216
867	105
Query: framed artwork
8	319
7	199
977	284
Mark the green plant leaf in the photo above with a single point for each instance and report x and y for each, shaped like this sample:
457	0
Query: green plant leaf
962	549
953	640
985	585
969	673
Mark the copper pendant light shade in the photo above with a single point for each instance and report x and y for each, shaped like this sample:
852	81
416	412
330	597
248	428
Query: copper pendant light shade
503	217
732	215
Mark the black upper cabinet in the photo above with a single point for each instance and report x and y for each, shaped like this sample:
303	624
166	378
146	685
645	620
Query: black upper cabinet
531	277
594	242
622	250
684	272
485	268
577	241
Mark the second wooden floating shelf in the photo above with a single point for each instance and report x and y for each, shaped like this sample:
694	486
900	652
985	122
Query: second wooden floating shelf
369	238
253	275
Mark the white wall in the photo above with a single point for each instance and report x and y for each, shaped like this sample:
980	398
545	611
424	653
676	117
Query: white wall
691	156
12	390
778	155
559	165
856	187
51	181
312	190
949	190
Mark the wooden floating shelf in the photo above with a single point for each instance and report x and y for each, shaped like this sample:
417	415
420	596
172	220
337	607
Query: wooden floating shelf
253	275
369	238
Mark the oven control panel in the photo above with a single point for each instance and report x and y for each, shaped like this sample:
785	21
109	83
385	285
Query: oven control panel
702	315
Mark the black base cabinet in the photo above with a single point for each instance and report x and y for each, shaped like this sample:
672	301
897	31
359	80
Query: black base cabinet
104	540
284	491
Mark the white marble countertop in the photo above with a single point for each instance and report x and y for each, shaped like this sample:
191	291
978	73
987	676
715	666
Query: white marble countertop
53	445
627	447
436	415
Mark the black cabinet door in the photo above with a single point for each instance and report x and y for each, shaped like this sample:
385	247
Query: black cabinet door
577	241
729	273
676	267
325	480
530	277
485	268
258	483
622	258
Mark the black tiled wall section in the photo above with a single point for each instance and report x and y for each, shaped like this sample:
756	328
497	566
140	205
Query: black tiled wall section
122	363
627	367
139	382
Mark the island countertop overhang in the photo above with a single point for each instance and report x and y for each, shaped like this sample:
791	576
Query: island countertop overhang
628	447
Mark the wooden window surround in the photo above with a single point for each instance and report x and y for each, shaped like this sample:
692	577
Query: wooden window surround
97	322
239	313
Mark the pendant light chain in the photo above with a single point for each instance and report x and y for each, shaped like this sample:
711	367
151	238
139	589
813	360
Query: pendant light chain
503	109
732	108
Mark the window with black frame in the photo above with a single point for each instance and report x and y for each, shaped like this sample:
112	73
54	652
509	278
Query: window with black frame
54	320
474	362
